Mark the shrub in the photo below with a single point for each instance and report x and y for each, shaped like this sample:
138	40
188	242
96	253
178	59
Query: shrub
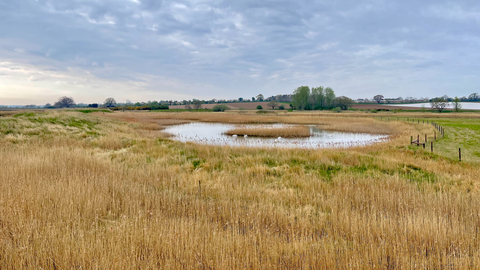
220	108
337	109
281	107
259	107
266	112
373	111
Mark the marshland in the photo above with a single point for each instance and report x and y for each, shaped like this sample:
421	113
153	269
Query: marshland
113	190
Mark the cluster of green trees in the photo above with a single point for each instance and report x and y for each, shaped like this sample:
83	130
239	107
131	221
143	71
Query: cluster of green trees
318	98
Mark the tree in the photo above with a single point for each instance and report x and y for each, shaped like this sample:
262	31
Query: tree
197	104
474	97
456	104
378	98
240	99
281	107
317	98
253	98
260	97
273	104
259	107
48	106
109	102
329	98
65	102
220	108
344	102
439	104
300	97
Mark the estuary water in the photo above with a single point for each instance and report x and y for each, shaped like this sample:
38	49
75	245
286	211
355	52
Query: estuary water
465	105
212	134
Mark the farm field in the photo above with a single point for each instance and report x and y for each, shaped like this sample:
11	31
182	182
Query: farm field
112	191
236	106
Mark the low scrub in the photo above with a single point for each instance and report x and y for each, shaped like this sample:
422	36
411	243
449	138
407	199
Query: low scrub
284	132
220	108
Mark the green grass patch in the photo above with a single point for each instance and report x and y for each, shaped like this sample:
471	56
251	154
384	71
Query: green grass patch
459	133
92	111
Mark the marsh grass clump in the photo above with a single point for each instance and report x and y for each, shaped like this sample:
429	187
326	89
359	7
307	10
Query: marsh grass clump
272	132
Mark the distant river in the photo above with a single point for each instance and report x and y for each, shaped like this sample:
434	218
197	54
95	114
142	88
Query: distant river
465	105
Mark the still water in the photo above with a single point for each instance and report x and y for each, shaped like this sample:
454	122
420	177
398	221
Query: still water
465	105
212	134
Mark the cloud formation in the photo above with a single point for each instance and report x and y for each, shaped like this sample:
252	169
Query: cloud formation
152	50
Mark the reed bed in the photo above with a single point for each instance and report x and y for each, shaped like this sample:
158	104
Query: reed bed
272	132
329	121
84	191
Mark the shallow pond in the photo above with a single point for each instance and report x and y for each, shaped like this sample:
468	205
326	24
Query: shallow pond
212	134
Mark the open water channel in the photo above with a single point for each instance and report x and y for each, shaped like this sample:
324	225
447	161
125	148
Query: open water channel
212	134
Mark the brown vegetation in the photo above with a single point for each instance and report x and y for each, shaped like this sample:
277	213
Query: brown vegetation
83	191
233	106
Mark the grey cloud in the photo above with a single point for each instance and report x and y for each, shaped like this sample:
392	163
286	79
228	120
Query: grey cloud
247	47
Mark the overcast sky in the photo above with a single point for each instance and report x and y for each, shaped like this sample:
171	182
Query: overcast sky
155	50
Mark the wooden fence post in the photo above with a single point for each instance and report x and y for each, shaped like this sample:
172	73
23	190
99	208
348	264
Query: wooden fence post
435	135
431	146
411	140
460	154
423	145
425	138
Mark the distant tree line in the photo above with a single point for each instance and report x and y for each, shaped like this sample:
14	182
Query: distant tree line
318	98
302	98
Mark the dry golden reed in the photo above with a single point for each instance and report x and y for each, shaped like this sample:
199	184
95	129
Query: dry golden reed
82	191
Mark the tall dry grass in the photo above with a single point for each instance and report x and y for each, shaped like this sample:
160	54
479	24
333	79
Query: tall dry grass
272	132
81	191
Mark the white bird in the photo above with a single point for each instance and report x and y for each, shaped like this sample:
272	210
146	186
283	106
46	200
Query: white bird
245	136
279	138
234	135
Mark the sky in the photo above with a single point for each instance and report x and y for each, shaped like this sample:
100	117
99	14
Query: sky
142	50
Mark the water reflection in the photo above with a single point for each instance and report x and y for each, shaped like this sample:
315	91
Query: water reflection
212	134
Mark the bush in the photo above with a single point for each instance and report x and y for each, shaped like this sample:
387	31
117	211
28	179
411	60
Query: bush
259	107
266	112
220	108
281	107
373	111
337	109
